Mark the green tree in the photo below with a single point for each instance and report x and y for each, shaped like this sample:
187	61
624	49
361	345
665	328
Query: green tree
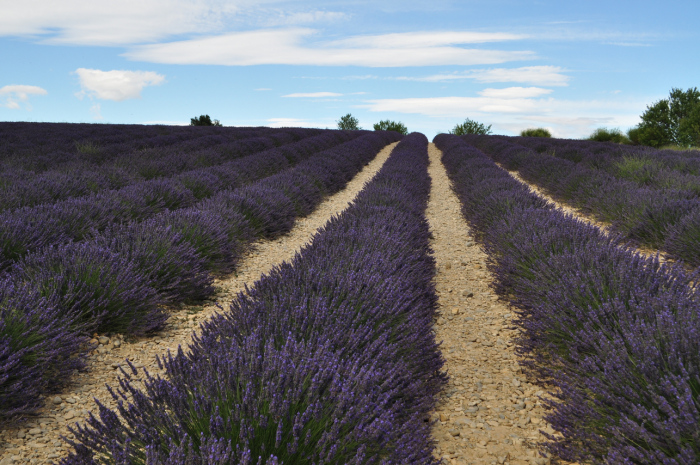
348	123
672	120
633	135
204	120
535	132
387	125
689	128
609	135
471	127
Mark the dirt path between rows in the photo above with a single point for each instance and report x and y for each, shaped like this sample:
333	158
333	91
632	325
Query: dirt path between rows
37	442
489	413
604	227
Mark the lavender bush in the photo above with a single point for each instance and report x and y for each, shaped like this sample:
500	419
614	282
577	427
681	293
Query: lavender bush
93	287
118	277
98	165
328	359
615	333
645	215
30	228
38	350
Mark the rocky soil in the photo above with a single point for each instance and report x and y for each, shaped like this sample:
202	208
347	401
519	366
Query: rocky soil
489	413
604	227
38	441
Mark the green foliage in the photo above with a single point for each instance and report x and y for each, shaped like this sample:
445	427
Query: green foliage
348	123
609	135
672	121
633	135
471	127
87	147
535	132
641	170
204	120
387	125
689	128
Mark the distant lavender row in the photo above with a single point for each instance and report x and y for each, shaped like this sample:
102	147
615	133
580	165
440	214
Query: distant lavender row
663	169
328	359
32	228
119	280
666	219
617	334
40	146
19	188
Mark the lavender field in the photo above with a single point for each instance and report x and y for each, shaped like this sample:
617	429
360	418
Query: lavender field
332	356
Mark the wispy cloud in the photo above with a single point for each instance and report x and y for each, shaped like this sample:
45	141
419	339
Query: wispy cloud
96	112
115	85
292	47
424	39
313	95
11	96
537	75
272	18
297	123
515	92
629	44
566	118
111	22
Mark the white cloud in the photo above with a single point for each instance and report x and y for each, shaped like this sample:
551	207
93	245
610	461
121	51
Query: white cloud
285	46
113	22
453	106
11	96
423	39
115	85
167	123
538	75
297	123
313	95
628	44
566	118
282	18
96	111
515	92
359	78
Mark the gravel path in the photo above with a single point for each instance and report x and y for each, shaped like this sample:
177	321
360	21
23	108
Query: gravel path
604	227
38	441
489	413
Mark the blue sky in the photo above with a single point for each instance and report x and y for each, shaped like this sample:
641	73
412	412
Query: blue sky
567	66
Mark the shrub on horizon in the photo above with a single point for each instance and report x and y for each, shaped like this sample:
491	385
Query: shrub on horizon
348	123
388	125
535	132
609	135
471	127
204	120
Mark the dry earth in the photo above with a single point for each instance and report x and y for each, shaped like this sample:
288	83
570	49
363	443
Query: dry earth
38	441
489	413
576	213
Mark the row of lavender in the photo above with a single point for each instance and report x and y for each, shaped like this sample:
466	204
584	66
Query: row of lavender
616	334
665	169
41	146
328	359
92	174
119	279
665	219
29	229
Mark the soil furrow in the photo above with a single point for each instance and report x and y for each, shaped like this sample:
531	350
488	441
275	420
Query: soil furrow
604	227
38	441
489	413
